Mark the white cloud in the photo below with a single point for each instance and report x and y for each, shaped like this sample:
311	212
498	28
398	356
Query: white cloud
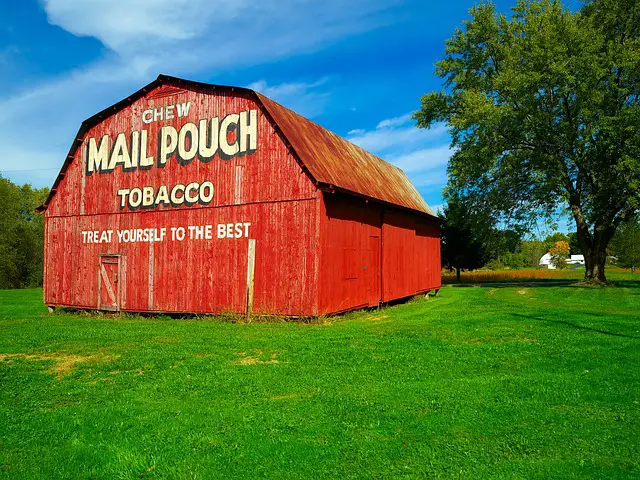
392	133
430	158
118	23
422	154
38	126
429	181
303	98
197	34
395	122
188	38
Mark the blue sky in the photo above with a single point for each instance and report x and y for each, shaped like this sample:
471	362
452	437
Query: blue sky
358	68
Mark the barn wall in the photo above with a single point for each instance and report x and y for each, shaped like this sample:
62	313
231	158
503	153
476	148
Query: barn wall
192	275
350	253
370	254
265	188
410	255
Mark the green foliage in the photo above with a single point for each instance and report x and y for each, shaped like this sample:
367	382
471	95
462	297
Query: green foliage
515	260
502	242
478	383
543	108
511	258
464	237
574	246
533	251
626	245
21	235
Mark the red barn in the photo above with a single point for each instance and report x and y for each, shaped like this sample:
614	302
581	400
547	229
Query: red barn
189	197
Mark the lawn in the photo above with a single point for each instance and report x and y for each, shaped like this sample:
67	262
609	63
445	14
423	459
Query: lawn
504	382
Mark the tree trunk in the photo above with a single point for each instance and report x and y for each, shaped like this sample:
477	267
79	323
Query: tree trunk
595	255
594	247
594	263
458	274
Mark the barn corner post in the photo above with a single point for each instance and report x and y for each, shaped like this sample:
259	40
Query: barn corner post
251	266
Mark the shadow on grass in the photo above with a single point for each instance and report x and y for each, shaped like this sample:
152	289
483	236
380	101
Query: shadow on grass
576	326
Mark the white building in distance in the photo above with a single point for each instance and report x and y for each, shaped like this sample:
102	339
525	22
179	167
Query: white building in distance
545	261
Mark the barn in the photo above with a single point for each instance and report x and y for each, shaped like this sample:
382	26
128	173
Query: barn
190	197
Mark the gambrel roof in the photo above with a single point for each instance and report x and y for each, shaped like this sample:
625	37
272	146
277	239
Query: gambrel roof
332	162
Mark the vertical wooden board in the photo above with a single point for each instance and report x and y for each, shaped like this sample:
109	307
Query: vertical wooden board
374	270
285	259
251	267
151	278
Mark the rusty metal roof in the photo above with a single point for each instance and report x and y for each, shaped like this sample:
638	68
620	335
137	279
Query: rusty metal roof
337	163
333	163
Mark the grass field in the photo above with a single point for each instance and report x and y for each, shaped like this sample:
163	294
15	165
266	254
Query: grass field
525	382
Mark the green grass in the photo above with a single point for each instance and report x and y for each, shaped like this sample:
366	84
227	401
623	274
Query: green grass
525	382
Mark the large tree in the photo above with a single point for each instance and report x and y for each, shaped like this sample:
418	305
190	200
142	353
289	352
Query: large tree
543	108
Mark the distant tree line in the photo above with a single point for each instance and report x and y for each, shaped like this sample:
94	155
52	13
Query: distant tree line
21	235
471	241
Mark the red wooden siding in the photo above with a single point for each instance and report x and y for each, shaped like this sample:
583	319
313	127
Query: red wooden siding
410	255
192	275
270	174
349	274
370	254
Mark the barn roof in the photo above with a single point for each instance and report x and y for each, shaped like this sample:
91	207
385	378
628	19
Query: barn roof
333	163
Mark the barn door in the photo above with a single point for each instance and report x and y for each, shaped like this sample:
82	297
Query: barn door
109	283
373	268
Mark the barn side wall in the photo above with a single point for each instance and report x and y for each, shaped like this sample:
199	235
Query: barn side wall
265	189
370	254
350	234
410	255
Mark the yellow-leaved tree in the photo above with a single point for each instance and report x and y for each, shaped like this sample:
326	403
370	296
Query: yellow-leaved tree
559	253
